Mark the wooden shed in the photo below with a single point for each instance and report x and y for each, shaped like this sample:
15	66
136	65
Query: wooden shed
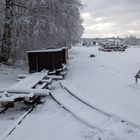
50	59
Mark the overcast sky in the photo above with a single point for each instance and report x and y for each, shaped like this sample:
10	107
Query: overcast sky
107	18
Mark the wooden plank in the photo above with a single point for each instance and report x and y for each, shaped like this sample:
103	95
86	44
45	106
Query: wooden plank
55	77
42	86
29	81
25	92
24	89
47	80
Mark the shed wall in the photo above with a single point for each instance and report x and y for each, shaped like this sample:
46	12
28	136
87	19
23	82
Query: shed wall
51	61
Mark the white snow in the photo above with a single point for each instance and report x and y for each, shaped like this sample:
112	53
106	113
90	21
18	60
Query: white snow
14	125
83	112
107	81
51	122
29	81
95	118
24	88
8	118
48	50
48	121
9	75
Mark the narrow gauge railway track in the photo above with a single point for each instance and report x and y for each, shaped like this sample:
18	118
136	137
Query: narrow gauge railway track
77	107
21	116
3	110
92	116
29	89
95	108
99	110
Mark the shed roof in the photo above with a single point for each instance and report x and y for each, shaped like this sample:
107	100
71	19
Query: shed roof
47	50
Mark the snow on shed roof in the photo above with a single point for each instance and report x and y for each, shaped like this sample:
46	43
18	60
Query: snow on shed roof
47	50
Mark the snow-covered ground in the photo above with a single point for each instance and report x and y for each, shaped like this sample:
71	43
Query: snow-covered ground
8	76
94	117
47	121
107	81
51	122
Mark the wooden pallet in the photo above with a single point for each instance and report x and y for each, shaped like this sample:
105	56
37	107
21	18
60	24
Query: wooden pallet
29	88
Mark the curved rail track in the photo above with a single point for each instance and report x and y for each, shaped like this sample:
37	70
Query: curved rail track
86	113
93	116
99	110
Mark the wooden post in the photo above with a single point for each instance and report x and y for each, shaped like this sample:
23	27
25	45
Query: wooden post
137	76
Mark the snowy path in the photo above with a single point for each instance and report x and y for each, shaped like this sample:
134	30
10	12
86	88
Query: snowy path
93	117
107	81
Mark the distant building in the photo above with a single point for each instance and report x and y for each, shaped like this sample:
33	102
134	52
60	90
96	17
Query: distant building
91	41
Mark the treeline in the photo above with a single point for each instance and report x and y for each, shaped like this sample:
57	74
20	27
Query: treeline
37	24
132	40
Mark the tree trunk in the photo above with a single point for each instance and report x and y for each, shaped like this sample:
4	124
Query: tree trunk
7	34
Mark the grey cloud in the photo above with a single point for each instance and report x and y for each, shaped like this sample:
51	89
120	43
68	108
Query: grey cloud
123	14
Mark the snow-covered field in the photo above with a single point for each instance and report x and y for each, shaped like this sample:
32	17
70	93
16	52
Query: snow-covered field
106	82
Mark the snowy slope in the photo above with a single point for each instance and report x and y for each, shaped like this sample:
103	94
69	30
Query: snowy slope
107	81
